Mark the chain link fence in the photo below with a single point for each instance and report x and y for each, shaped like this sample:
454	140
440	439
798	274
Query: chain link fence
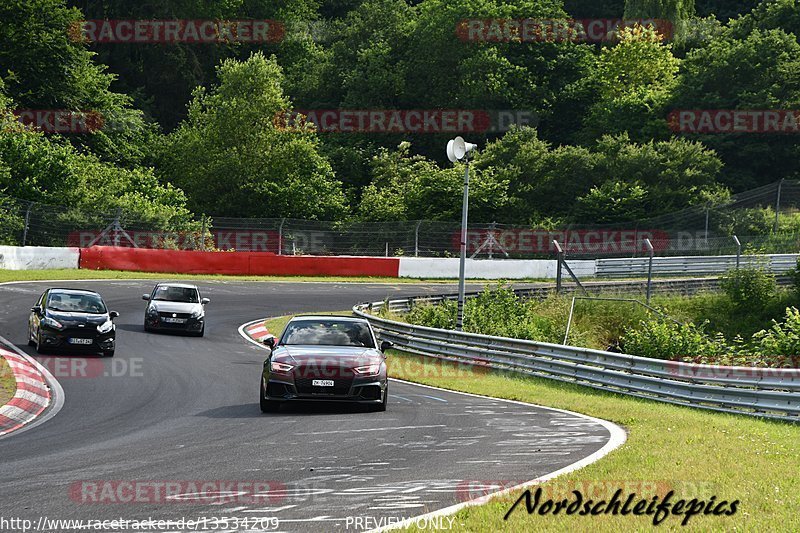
766	220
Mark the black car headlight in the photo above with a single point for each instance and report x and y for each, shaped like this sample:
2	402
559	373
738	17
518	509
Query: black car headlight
52	323
369	370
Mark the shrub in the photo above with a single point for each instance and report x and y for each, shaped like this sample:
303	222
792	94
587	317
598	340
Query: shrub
750	288
794	275
780	343
661	339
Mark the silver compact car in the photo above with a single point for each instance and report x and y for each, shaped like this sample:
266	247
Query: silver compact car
175	307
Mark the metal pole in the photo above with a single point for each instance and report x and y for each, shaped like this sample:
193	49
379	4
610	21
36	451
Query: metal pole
387	249
280	237
738	251
649	269
569	321
463	263
560	259
203	235
706	234
416	239
778	205
27	222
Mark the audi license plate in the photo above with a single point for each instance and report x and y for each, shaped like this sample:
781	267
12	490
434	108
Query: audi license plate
80	341
175	320
322	383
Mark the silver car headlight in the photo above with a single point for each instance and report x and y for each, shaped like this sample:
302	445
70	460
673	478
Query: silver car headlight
152	311
105	327
198	313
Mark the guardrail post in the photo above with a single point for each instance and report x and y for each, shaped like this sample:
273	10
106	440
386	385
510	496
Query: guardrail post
738	251
560	260
650	250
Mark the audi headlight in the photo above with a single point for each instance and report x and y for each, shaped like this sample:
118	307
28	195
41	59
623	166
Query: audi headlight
369	370
52	323
281	367
105	327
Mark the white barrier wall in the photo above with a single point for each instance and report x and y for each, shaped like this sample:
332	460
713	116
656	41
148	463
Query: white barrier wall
424	267
38	258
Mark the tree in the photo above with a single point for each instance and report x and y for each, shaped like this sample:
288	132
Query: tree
634	81
543	182
725	10
767	67
45	67
653	178
233	159
407	187
674	10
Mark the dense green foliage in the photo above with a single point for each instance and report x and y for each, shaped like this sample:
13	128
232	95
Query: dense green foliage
201	118
707	328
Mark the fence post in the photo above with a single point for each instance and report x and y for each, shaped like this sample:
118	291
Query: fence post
203	235
778	205
387	249
649	269
27	223
280	236
560	259
706	233
416	239
738	251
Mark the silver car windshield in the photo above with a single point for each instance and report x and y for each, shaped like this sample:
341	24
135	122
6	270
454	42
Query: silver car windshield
177	294
328	333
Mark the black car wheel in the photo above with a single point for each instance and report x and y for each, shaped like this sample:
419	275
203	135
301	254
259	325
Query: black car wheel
38	343
146	327
31	342
201	332
379	408
267	406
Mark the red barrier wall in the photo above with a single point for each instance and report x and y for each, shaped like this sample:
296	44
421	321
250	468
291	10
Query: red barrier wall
233	263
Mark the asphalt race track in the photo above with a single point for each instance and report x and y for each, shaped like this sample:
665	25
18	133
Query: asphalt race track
185	410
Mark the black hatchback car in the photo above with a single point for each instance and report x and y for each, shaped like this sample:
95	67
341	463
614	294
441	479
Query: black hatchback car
72	320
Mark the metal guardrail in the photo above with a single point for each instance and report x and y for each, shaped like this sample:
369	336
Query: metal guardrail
693	266
768	393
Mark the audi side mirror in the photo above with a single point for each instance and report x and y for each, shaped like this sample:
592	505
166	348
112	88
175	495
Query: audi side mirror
146	297
270	341
386	345
36	309
113	315
205	301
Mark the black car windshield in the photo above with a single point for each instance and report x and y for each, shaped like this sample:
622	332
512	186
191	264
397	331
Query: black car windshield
328	333
76	303
177	294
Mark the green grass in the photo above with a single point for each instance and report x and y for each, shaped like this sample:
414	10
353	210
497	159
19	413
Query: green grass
36	275
8	385
697	453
